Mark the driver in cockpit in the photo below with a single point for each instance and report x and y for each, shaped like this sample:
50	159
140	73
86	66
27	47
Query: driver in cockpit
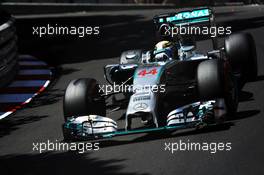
182	49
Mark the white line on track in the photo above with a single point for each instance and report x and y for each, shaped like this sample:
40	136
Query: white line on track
5	114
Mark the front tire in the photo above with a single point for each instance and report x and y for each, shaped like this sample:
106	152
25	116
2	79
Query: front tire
82	97
215	80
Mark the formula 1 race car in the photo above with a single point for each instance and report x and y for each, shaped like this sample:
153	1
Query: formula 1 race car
168	88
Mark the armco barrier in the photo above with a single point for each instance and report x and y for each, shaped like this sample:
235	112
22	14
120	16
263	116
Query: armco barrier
44	7
8	49
49	8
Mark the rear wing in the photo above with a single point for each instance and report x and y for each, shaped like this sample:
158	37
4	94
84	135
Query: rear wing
197	17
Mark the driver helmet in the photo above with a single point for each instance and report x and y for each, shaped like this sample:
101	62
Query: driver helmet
164	51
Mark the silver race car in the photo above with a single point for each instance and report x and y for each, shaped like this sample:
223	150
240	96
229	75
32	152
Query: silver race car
170	87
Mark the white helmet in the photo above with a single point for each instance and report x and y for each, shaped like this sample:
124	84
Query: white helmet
165	50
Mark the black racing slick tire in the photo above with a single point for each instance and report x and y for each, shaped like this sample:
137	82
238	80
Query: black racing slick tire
67	135
210	78
82	97
215	80
241	51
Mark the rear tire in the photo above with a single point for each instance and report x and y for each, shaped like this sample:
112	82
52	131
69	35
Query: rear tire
241	51
82	97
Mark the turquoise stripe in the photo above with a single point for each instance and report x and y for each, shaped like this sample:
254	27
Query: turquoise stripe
138	131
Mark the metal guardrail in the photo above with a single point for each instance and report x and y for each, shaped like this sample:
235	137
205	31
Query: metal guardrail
8	49
49	8
38	8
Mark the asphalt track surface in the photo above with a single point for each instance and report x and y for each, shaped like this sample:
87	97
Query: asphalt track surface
144	153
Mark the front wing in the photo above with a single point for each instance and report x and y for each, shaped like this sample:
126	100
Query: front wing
97	127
